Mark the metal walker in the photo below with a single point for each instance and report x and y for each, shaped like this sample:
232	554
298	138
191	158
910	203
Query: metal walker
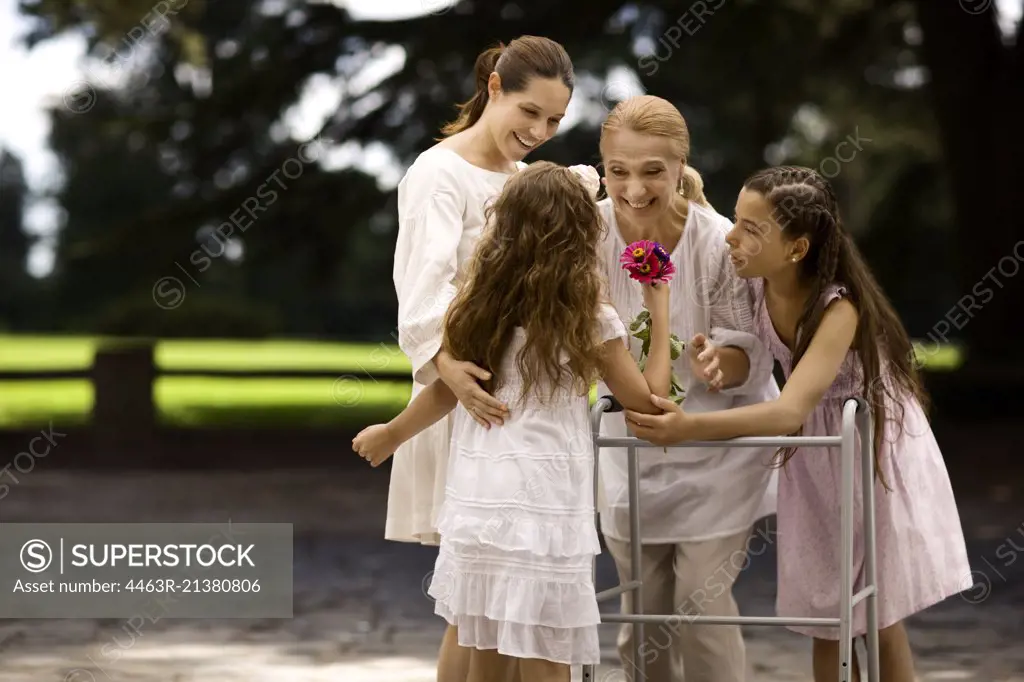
856	417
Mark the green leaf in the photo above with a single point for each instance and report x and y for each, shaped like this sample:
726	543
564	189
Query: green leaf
676	391
676	346
643	318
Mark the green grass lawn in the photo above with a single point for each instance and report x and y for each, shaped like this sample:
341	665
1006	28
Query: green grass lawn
352	398
76	352
200	401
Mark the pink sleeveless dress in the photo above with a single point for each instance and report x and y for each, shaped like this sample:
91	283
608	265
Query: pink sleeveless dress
922	557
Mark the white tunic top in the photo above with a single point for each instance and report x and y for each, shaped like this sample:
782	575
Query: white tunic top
441	202
691	494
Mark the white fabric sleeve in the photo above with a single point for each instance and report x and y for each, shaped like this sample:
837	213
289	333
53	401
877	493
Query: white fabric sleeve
732	324
430	215
610	325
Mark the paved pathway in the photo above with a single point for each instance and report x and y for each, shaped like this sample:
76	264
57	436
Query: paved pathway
360	611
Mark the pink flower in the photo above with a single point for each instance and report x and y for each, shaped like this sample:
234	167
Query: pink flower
647	262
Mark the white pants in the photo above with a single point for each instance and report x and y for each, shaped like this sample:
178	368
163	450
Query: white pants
688	578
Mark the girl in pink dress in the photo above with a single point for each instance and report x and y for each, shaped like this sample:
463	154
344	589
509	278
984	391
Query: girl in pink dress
829	324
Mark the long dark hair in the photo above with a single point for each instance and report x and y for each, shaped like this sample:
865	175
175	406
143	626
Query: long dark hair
524	58
804	205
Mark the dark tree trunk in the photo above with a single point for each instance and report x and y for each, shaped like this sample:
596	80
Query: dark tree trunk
977	83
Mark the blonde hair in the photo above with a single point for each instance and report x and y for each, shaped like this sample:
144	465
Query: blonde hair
650	115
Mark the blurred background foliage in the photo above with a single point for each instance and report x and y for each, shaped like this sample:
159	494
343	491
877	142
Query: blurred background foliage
926	96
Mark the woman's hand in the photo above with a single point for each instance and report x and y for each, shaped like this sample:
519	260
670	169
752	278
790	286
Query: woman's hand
705	362
668	428
462	378
375	444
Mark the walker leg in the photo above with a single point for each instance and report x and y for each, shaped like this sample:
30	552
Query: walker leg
867	455
595	432
636	547
846	548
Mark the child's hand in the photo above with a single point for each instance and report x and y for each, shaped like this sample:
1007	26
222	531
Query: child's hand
656	298
705	362
374	444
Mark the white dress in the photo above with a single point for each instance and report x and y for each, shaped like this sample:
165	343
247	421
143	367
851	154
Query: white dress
691	494
441	202
518	538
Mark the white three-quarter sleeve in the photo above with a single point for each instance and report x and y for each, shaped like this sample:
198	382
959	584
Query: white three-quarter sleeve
732	322
609	325
430	215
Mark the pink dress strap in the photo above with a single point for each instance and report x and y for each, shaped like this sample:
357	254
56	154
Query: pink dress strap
834	291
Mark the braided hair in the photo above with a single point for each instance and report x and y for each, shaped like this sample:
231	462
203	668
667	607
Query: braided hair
804	205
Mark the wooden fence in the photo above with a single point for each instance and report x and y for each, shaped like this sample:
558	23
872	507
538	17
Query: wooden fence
124	429
124	426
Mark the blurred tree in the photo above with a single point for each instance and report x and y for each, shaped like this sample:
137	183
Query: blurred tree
196	130
833	86
977	86
182	168
838	86
116	27
17	288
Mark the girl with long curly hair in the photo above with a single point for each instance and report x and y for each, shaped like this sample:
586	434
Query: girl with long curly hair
518	539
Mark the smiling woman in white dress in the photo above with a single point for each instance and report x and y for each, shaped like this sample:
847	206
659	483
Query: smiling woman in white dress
522	92
697	506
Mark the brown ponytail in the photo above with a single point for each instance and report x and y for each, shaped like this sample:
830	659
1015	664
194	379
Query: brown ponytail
471	110
524	58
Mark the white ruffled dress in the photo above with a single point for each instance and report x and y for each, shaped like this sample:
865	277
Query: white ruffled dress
518	537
